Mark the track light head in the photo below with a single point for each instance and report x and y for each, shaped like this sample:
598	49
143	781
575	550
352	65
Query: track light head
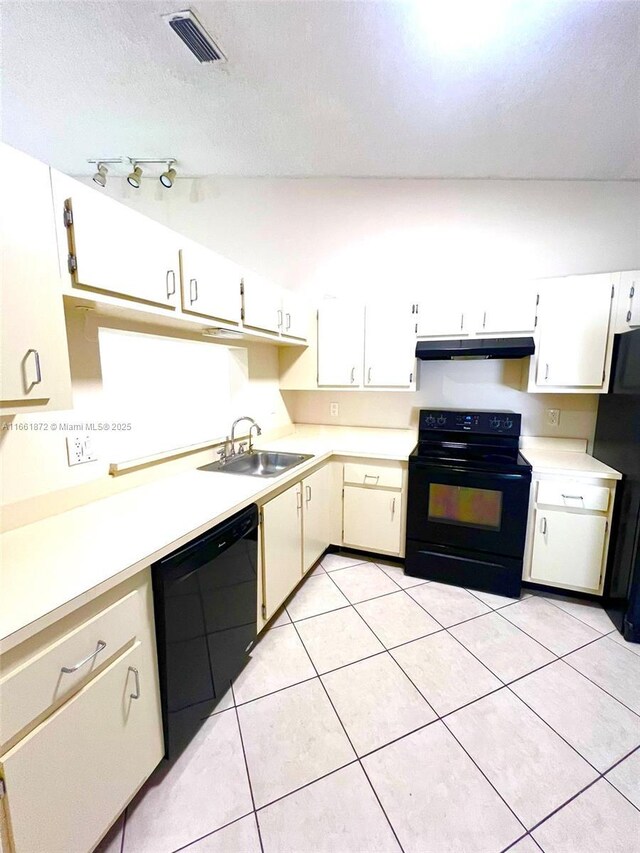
100	176
134	178
168	177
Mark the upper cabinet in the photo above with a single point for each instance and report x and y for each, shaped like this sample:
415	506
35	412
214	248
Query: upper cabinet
507	310
35	360
628	314
442	312
211	284
295	315
573	335
370	347
272	309
114	249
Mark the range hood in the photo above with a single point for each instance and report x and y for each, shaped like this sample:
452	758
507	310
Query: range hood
475	348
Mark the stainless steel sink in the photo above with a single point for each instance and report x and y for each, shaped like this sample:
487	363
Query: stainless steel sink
258	463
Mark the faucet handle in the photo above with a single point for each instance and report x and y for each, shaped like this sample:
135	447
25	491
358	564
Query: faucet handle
242	446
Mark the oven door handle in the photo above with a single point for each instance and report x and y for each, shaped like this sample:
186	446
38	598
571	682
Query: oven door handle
474	474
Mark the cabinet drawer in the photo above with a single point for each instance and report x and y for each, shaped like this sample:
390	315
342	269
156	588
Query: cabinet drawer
69	778
41	683
370	474
573	494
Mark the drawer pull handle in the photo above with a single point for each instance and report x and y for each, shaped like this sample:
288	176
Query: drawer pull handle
375	477
308	490
573	497
101	647
136	675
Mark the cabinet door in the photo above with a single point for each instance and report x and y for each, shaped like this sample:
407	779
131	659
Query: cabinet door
630	299
389	345
118	250
319	500
262	302
568	548
295	315
282	547
70	776
340	343
34	357
509	310
443	312
573	332
371	519
210	284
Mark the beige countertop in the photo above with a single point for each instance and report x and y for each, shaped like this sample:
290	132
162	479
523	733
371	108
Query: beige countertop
53	566
564	457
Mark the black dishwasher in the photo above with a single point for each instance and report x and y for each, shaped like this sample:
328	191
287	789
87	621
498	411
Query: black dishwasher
205	599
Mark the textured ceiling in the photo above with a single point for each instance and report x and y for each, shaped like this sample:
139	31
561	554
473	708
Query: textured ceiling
327	88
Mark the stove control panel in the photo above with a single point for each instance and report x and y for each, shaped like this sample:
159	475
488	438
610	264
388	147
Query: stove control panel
479	422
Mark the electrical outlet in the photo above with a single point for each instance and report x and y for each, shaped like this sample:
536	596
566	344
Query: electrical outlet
334	410
80	449
553	417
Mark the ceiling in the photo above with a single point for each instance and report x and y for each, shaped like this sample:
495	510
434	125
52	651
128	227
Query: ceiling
325	87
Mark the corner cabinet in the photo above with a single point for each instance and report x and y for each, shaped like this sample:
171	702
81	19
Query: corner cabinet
34	356
77	760
574	335
568	532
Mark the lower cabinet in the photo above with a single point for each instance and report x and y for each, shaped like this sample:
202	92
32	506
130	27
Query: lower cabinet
85	730
281	548
319	506
371	519
568	533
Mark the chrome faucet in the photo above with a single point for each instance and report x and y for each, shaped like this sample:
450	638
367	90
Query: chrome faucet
254	425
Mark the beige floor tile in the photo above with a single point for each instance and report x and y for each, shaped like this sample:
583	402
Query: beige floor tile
503	648
317	594
533	768
525	845
613	668
360	583
591	614
397	574
332	562
600	728
436	798
447	604
239	837
376	702
495	601
553	628
336	814
338	638
396	619
278	660
316	570
446	674
617	637
600	820
626	777
291	738
204	789
282	619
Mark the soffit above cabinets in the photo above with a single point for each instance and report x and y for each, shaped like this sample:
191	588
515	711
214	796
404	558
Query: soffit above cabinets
321	88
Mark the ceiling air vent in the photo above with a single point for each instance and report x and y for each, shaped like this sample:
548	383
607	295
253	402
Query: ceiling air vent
193	34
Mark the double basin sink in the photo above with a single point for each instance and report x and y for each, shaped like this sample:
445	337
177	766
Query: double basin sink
258	463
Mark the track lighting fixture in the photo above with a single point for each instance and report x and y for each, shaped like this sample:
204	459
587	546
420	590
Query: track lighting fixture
134	178
100	176
169	175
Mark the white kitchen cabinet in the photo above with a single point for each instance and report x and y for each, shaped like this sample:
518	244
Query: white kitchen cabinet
389	345
443	311
295	315
568	532
210	284
281	548
34	356
372	519
319	504
507	310
629	301
114	249
573	335
340	343
262	303
568	549
69	778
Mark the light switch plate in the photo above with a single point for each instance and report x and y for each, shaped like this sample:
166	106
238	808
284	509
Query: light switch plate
80	449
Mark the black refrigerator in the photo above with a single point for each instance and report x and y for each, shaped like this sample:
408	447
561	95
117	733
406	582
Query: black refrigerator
617	443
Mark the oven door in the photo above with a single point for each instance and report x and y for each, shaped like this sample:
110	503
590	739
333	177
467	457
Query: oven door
473	510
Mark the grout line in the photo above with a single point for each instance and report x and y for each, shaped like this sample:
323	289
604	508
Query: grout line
562	805
351	744
246	765
307	785
213	832
513	843
604	690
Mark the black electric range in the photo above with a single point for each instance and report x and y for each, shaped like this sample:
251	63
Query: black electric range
468	500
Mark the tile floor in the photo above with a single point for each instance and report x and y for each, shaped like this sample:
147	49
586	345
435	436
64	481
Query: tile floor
384	713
